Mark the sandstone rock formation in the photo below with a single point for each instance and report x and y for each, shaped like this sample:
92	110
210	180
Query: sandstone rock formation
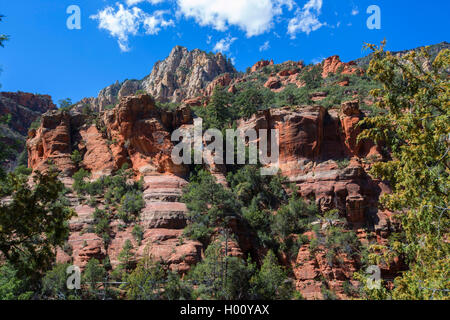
135	132
261	64
312	143
23	108
333	65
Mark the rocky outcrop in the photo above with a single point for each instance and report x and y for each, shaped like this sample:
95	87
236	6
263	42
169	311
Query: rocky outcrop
51	143
222	81
261	64
185	74
135	132
162	221
334	64
23	109
109	96
273	83
312	145
313	271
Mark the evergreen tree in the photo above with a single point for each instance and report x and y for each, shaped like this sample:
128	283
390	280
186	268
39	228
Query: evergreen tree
33	223
271	282
415	129
210	205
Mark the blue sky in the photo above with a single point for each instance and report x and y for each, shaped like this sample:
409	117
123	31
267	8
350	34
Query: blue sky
122	39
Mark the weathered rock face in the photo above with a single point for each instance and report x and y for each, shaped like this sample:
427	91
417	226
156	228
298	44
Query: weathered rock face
261	64
334	64
162	221
51	143
312	143
273	83
184	74
23	108
109	96
310	267
135	132
223	81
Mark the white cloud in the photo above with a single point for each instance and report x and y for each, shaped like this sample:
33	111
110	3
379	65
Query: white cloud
306	19
154	23
134	2
122	23
265	46
253	16
224	44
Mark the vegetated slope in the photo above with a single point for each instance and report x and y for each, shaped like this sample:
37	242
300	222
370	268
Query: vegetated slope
317	216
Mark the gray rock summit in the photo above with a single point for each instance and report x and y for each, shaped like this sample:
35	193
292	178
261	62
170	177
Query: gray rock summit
182	75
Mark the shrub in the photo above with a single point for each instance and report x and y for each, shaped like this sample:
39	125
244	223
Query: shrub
270	283
79	184
343	163
131	204
138	233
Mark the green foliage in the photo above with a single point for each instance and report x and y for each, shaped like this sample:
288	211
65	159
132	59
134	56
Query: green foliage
79	183
118	191
11	286
209	204
34	223
54	283
343	163
312	76
415	128
138	233
131	204
271	282
126	256
3	37
258	196
102	228
94	275
250	100
23	170
152	280
35	124
219	276
327	293
292	96
337	241
247	183
218	113
294	217
4	148
76	157
65	104
170	106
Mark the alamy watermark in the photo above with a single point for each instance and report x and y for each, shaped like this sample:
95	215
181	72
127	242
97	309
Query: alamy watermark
374	278
74	279
74	20
374	20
